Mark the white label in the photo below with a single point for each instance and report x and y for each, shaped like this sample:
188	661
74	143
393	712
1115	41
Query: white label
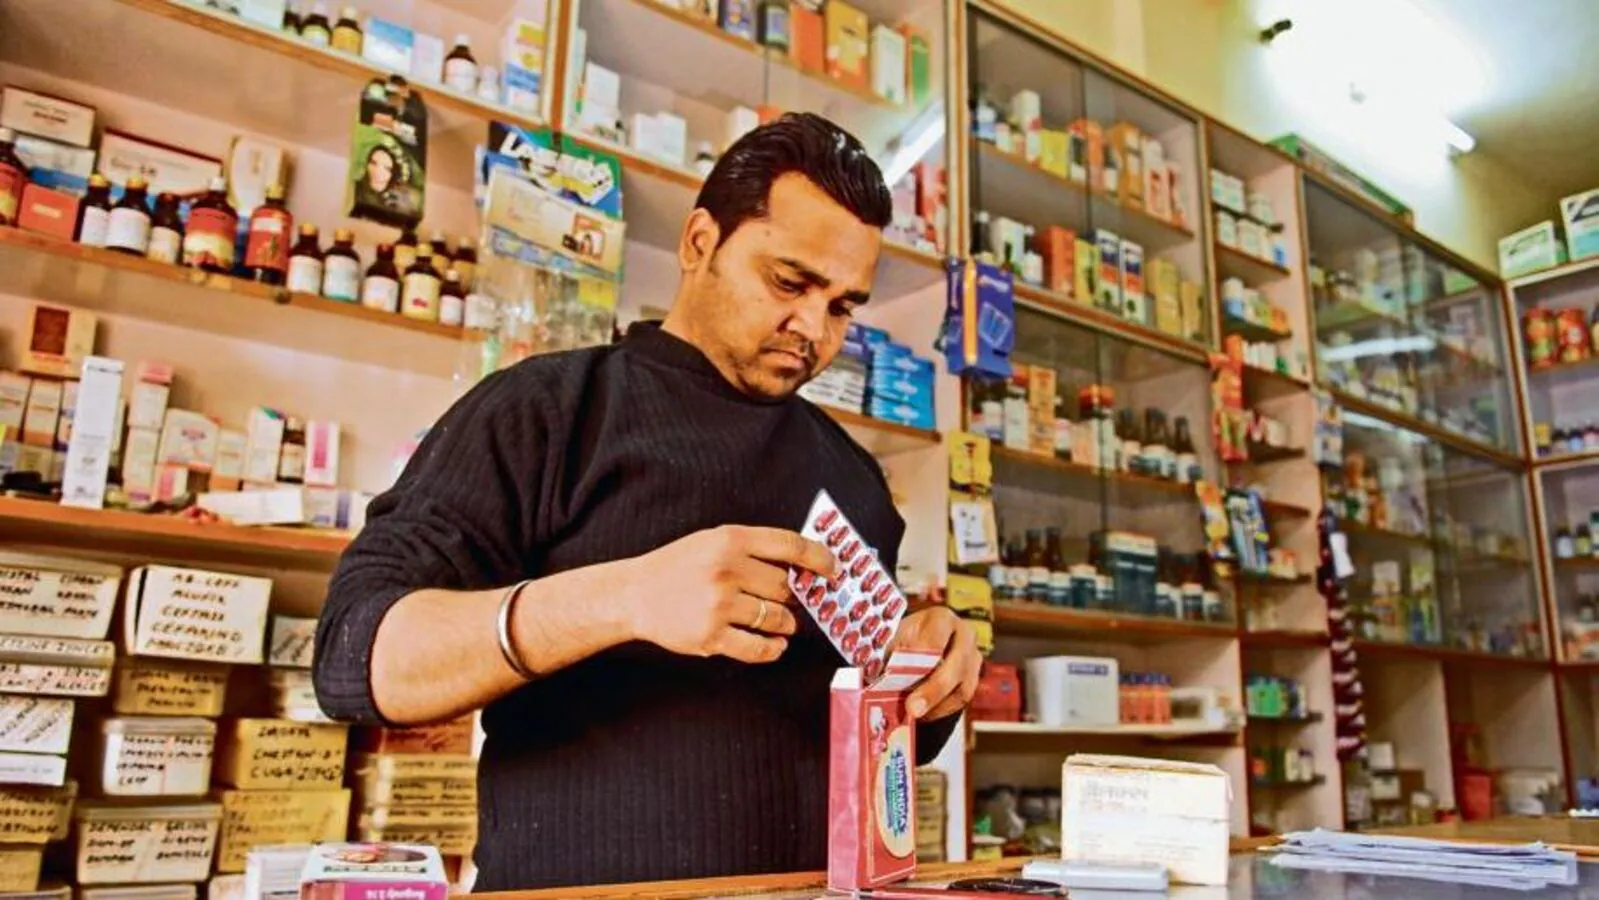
59	604
128	229
305	274
35	724
341	279
166	245
421	296
381	292
134	851
293	639
96	221
452	309
461	74
156	764
54	679
195	614
32	768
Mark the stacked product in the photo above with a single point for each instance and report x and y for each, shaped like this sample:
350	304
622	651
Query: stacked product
1145	698
1126	573
417	785
1274	697
53	620
842	385
280	782
289	670
899	385
1245	220
1541	247
270	873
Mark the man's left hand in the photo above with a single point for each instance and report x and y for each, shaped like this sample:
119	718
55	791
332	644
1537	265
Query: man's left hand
952	684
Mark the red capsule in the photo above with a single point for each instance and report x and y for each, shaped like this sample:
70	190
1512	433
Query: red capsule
873	669
858	611
860	656
850	641
837	535
826	610
871	623
826	520
895	607
862	563
838	626
848	551
884	593
803	578
880	639
869	583
815	596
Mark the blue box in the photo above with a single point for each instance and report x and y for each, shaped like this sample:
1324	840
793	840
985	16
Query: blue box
902	414
913	366
866	334
902	390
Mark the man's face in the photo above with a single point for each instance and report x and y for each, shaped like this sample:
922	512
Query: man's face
770	306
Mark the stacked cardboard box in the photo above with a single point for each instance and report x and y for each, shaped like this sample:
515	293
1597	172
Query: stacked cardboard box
417	786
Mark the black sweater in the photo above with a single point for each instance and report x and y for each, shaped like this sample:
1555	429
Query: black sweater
636	764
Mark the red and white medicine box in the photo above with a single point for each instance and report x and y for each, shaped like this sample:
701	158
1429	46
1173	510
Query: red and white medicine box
871	789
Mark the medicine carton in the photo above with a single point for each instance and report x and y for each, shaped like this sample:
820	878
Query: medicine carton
118	844
1074	690
56	596
156	687
35	724
34	815
1580	213
29	112
196	614
871	798
374	872
41	769
1530	250
271	754
156	756
1122	810
55	667
253	818
59	338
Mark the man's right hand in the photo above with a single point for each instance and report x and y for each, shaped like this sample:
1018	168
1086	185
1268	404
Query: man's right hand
723	591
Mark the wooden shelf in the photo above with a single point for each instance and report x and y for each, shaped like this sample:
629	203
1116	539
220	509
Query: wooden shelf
1136	489
1448	300
1288	785
1039	620
1259	382
1286	639
1555	370
1358	531
1578	564
1232	262
1309	718
1562	460
1276	509
882	438
47	268
1391	650
1023	736
1354	314
1270	453
1268	580
1557	272
1105	322
166	537
1426	429
1253	331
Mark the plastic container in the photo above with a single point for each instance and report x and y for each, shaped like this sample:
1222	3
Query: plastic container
157	844
152	756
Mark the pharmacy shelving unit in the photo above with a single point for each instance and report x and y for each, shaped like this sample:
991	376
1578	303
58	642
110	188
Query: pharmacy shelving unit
238	344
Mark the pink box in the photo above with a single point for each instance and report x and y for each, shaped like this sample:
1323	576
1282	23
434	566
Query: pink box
871	779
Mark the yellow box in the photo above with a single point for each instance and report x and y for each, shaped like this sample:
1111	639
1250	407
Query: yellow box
253	818
280	755
1190	299
848	43
1128	144
1085	267
19	867
450	841
144	844
372	790
149	687
1053	150
971	463
1164	281
34	815
1041	410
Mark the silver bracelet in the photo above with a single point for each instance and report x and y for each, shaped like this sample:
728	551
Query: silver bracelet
503	627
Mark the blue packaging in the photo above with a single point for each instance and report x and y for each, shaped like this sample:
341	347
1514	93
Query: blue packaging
866	334
901	414
979	319
913	366
901	390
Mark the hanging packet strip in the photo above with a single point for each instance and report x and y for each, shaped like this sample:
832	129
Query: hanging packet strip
979	319
388	155
859	608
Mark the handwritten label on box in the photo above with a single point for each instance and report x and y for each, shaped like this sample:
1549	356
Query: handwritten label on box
144	687
35	724
36	598
293	639
19	868
35	815
227	887
449	841
155	764
54	680
141	846
454	736
419	816
33	768
195	614
419	766
253	818
271	754
409	792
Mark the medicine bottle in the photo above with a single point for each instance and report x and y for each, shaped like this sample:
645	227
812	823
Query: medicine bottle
128	228
460	67
166	230
347	32
291	459
441	252
452	300
94	213
465	262
381	287
305	262
266	251
13	177
291	19
405	249
315	28
213	229
419	290
341	269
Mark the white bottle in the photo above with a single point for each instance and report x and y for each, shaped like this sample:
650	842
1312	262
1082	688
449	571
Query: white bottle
488	86
460	69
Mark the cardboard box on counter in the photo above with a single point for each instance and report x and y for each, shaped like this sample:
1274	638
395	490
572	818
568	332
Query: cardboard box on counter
196	614
34	815
253	818
156	756
55	667
1125	811
35	724
416	873
120	844
273	754
165	688
56	596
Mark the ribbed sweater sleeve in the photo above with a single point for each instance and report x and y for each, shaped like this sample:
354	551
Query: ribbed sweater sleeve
457	518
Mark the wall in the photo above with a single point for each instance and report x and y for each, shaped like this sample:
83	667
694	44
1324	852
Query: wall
1207	53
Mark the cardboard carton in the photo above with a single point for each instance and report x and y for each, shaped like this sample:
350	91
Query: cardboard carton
1124	810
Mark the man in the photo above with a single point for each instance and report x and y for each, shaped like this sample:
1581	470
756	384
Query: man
655	706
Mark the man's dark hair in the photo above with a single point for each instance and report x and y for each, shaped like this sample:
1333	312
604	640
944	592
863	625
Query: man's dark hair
741	183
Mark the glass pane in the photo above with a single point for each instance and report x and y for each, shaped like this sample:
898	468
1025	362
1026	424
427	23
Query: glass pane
1571	517
1487	591
1465	382
1557	328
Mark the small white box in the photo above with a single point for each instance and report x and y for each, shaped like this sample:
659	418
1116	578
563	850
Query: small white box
1580	213
196	614
1166	813
293	642
1252	238
521	88
1074	690
264	12
138	462
1380	756
671	135
188	439
427	58
888	64
153	756
276	506
1530	249
94	417
28	112
321	453
147	405
602	98
741	120
264	431
35	724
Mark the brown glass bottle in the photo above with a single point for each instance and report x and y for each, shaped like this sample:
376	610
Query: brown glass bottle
291	458
1035	559
94	213
212	231
166	230
315	27
381	287
452	300
1188	470
13	178
441	252
419	288
460	67
266	250
1159	460
341	269
465	260
1131	456
405	250
305	262
128	230
346	34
